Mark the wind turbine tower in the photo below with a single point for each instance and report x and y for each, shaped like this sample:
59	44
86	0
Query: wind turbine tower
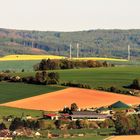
129	57
77	50
70	50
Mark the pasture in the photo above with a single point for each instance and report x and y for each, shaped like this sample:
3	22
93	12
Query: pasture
17	112
18	65
15	91
76	138
102	77
26	62
98	77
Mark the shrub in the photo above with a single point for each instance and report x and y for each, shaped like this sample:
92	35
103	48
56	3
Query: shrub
71	84
135	84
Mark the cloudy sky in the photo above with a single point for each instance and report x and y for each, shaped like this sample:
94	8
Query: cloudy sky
69	15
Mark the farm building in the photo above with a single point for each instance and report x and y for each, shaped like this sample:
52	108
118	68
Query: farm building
51	116
89	115
119	104
103	110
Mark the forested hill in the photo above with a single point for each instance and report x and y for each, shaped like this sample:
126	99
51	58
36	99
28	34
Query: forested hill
103	43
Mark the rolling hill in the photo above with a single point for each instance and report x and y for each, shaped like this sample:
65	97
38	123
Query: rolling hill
100	43
84	98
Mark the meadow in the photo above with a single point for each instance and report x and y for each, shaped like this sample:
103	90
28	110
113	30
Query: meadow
76	138
18	65
26	62
15	91
17	112
97	77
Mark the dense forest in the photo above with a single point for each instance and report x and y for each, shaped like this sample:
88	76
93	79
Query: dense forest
102	43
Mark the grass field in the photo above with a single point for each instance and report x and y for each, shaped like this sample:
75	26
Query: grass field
6	111
14	91
98	77
26	62
102	77
80	138
27	65
18	65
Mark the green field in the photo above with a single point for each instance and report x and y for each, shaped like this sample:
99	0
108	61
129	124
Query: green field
18	65
27	65
15	91
80	138
6	111
102	77
98	77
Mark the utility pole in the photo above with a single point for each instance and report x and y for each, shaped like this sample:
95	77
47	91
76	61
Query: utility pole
70	50
32	44
77	50
129	53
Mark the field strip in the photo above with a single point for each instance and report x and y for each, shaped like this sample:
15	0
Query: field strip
40	57
130	137
84	98
109	138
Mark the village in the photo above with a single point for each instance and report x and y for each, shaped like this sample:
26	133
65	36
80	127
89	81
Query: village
66	120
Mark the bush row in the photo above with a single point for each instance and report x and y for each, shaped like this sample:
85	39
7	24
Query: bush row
69	64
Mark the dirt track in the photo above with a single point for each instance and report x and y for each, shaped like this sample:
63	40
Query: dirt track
83	97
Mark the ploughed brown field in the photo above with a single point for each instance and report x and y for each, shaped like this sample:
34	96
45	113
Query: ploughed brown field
84	98
134	137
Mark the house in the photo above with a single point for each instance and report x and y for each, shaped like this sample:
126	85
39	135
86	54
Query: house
103	110
89	115
132	111
51	116
5	134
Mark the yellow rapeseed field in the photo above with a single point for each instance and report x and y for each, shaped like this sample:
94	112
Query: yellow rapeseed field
100	59
29	57
40	57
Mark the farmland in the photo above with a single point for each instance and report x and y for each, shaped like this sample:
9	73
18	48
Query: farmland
77	138
6	111
26	62
40	57
16	91
29	57
132	137
85	98
101	59
97	77
18	65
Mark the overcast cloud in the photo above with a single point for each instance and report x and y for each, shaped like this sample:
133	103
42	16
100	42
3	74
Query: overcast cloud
69	15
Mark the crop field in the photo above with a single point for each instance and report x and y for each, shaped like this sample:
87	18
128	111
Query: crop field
102	77
84	98
39	57
6	111
76	138
26	62
18	65
98	77
101	59
131	137
15	91
29	57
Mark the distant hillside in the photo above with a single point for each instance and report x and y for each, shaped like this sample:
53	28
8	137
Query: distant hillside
103	43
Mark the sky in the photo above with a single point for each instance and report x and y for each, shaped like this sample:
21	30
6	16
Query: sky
69	15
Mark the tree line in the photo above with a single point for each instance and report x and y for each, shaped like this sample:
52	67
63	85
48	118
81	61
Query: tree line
43	78
51	64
